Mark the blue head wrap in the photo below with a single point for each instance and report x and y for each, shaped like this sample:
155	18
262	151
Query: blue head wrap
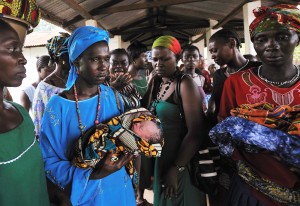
79	41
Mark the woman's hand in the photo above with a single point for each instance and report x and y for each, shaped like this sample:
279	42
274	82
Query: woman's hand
119	81
170	183
150	76
109	164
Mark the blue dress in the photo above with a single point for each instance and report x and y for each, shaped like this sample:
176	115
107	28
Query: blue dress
59	131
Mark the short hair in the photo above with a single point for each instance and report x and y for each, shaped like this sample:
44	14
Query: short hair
136	49
190	47
120	51
225	35
42	62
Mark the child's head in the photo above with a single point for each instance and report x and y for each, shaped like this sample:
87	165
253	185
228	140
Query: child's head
148	131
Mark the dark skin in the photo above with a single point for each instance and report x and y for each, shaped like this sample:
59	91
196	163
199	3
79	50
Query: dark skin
43	73
12	73
190	59
59	77
119	76
138	67
275	48
224	53
92	66
164	63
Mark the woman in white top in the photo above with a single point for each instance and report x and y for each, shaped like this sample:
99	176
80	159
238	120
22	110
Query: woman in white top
43	69
190	59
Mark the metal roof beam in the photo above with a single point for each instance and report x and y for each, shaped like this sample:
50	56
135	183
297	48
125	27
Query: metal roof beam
79	17
204	24
139	6
76	7
231	15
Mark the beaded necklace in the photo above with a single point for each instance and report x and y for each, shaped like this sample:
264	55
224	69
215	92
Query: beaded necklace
230	73
279	84
159	97
81	126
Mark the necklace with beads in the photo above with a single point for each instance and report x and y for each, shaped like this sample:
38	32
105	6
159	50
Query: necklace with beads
167	87
240	69
279	84
81	126
160	95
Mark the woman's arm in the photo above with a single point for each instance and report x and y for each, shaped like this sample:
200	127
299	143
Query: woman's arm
195	136
24	100
192	104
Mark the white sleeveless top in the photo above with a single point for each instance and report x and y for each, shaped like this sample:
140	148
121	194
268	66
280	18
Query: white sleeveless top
30	92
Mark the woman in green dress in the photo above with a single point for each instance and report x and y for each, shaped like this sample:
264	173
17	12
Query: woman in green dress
183	136
22	176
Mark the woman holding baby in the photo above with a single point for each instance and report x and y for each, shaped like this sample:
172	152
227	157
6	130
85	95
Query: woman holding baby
68	115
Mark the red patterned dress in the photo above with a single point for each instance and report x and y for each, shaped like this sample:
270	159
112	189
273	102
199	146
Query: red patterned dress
247	88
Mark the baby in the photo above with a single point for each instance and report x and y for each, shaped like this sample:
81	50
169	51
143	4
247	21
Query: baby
136	131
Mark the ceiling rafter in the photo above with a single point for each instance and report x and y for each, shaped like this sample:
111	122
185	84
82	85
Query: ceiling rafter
128	26
132	37
92	12
51	18
85	14
231	14
198	24
145	5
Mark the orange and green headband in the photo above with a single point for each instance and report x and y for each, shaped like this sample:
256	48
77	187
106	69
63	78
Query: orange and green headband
280	17
169	42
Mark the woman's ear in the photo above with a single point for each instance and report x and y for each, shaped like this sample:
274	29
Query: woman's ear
232	43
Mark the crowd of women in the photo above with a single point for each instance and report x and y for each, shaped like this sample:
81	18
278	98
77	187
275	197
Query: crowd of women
252	116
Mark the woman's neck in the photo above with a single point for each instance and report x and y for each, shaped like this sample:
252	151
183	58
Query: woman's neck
189	71
237	63
278	72
85	90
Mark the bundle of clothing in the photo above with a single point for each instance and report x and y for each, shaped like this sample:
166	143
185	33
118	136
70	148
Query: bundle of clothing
263	128
136	131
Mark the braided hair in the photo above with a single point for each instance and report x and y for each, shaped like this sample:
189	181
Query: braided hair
42	62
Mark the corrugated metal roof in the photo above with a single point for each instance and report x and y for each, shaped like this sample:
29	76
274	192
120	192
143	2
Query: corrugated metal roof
145	19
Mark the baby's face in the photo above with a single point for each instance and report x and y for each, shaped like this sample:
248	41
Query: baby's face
147	130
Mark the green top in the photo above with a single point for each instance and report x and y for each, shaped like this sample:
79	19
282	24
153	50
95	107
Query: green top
173	132
22	176
140	85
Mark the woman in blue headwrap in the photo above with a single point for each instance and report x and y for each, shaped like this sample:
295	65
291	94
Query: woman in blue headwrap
84	103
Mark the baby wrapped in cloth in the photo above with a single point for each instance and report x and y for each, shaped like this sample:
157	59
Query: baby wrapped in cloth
136	131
